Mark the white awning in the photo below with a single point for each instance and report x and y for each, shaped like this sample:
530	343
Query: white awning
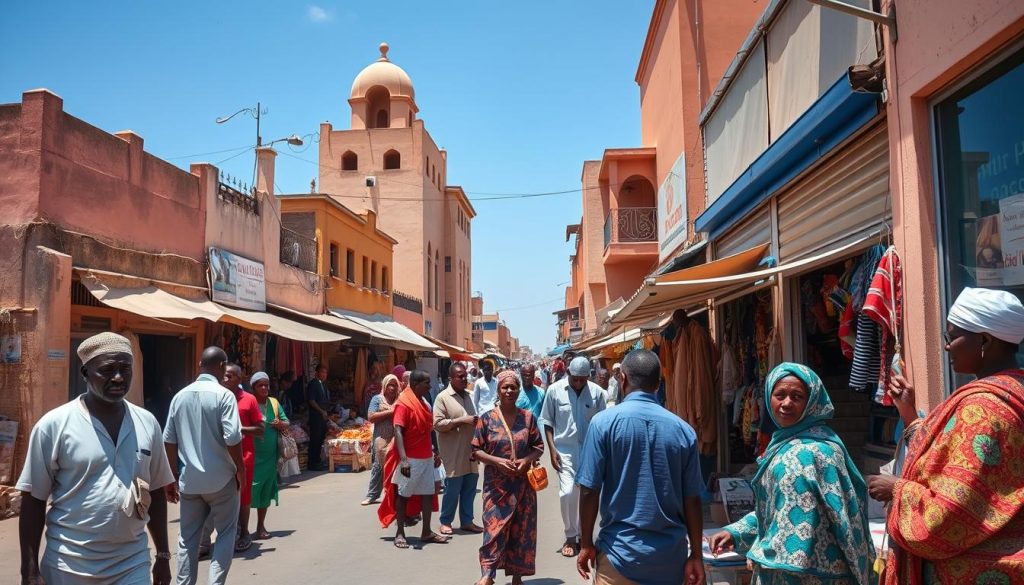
388	332
693	286
285	327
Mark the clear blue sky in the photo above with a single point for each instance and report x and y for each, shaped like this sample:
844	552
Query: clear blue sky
519	93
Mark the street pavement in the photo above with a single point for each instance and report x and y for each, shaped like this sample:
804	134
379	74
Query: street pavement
321	535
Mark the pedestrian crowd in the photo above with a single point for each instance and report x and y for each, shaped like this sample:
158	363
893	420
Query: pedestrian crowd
955	503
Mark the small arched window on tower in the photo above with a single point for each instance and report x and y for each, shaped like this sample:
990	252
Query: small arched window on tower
383	119
392	160
349	161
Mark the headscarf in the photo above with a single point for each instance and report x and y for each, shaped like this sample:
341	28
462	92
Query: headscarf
398	372
384	386
812	426
257	377
505	375
984	310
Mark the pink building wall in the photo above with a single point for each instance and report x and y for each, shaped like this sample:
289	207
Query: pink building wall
940	41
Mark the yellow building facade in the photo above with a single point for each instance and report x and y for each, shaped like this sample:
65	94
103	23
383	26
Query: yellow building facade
353	255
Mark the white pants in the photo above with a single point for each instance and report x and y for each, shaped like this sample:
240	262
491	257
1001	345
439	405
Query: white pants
569	496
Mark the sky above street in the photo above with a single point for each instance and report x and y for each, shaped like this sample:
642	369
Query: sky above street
519	93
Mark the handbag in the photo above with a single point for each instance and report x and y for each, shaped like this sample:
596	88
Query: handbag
287	448
536	474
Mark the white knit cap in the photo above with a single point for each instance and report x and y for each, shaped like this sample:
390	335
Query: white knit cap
102	343
579	366
985	310
616	366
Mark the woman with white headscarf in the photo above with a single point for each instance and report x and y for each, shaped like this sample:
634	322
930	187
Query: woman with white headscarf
957	508
264	479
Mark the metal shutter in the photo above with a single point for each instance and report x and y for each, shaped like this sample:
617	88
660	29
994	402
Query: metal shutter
752	231
844	198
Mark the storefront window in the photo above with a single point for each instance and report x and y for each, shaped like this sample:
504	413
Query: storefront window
981	182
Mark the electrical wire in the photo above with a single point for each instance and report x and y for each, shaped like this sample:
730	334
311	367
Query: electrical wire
207	153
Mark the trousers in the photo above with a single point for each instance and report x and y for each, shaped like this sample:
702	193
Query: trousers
378	452
607	574
317	434
569	496
222	508
459	492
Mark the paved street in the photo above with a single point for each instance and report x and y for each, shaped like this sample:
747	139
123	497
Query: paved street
323	535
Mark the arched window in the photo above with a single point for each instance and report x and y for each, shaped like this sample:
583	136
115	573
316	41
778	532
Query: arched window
437	280
383	119
430	276
349	161
378	107
392	160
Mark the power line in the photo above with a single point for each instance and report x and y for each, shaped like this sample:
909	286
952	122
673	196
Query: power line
208	153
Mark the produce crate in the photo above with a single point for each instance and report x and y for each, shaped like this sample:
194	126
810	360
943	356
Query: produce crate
348	462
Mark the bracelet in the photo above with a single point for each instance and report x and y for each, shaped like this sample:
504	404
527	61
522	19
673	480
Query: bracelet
163	556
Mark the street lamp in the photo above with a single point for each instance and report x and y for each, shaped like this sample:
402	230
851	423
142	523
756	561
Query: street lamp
293	140
254	112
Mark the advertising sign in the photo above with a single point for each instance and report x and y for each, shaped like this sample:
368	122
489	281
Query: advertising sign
999	245
672	217
237	281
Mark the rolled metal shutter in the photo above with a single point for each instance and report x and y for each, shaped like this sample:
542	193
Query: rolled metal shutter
752	231
842	199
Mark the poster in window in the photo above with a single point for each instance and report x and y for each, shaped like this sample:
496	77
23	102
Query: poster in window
1011	231
10	346
989	251
8	437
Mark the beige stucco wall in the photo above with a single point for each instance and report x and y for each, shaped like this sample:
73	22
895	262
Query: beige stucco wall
940	41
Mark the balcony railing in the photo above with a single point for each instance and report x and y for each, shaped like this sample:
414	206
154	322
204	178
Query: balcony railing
631	224
297	250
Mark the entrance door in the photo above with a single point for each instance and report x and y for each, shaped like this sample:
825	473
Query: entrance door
166	368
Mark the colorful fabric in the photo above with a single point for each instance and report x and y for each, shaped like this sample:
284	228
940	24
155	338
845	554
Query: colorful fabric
531	399
958	508
506	375
509	503
884	305
264	479
996	312
417	422
810	522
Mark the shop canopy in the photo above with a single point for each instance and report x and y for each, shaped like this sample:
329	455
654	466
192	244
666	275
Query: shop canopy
154	303
285	327
683	289
559	349
452	351
386	331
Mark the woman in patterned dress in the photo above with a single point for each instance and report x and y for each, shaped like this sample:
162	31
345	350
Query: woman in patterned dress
810	524
957	512
509	503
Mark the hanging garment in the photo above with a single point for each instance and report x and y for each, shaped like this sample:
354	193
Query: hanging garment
692	393
729	379
884	305
867	351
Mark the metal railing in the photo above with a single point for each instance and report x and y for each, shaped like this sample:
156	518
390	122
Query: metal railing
297	250
631	224
238	196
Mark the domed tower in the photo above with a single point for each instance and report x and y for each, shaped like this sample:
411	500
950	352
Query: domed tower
382	96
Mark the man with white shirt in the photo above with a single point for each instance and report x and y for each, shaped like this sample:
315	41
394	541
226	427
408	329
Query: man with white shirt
485	389
86	457
204	432
569	404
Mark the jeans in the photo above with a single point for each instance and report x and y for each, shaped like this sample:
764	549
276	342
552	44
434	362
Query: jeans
222	508
378	451
459	492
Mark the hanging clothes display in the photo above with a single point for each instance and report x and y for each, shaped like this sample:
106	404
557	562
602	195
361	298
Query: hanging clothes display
691	394
884	305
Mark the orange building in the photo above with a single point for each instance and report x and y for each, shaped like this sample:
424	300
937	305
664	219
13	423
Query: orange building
388	163
355	256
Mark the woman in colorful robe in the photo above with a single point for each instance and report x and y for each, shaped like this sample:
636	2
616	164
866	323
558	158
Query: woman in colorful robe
509	502
810	523
957	511
265	479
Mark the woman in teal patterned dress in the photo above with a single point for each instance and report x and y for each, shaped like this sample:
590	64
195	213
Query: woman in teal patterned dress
809	525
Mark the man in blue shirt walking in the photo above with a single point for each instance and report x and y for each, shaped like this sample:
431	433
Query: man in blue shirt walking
639	466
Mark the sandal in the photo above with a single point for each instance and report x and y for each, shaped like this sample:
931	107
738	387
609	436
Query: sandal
262	535
570	549
400	542
445	530
368	501
434	538
243	544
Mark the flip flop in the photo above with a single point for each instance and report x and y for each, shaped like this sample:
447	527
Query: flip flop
434	538
262	535
445	530
572	549
473	528
243	544
400	542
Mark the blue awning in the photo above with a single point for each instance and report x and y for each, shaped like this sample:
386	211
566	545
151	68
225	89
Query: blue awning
559	349
836	116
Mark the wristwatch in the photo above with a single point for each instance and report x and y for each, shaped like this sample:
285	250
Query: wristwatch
163	556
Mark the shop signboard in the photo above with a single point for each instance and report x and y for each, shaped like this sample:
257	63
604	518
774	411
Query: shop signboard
999	245
237	281
672	217
8	437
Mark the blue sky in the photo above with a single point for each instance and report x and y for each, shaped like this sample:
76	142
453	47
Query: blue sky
519	93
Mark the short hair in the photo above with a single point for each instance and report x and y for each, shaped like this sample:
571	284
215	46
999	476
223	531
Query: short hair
455	366
213	356
418	376
643	368
233	365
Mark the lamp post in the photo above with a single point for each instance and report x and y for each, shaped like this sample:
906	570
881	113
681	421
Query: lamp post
256	112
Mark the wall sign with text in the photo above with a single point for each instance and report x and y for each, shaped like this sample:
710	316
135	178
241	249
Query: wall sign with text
237	281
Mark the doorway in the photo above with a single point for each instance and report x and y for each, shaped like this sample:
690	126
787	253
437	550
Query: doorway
166	368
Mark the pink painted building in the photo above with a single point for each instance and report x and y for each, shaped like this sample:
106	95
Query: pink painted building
388	162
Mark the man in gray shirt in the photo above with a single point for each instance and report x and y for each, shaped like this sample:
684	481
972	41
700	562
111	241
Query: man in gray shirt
204	432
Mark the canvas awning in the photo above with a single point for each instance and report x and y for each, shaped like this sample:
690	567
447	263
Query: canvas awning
154	303
693	286
387	332
285	327
452	351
